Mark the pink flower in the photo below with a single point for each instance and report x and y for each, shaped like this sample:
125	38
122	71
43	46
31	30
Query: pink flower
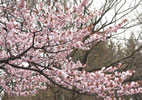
21	5
84	2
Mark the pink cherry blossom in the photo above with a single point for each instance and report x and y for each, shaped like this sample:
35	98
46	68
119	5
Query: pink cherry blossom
35	48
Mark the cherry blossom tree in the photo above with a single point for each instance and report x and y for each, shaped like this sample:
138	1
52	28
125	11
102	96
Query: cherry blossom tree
35	46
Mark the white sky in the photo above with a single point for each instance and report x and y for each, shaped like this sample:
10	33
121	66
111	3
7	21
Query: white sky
130	16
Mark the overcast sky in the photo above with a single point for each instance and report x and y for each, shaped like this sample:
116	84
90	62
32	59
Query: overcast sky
131	16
